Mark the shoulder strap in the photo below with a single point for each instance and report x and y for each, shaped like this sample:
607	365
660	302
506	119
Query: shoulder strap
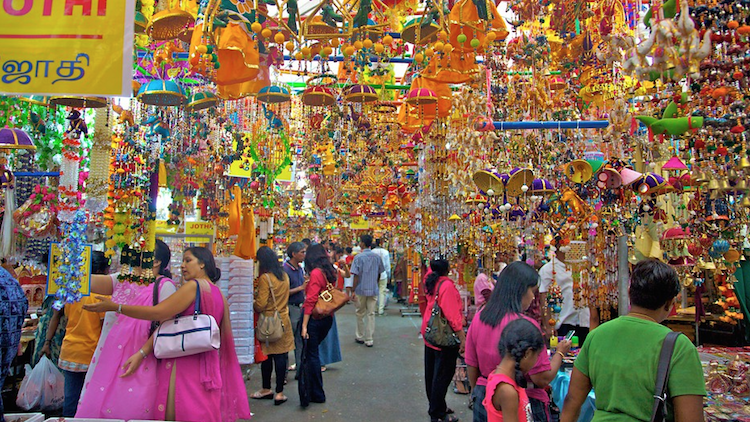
197	297
662	376
270	287
156	289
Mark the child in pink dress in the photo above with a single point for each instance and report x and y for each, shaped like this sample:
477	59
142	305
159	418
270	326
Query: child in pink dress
506	401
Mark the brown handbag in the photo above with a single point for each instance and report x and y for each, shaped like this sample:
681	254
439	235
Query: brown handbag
329	301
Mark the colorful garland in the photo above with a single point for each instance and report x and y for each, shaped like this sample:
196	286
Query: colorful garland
72	249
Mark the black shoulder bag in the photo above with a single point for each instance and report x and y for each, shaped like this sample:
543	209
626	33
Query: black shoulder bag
659	412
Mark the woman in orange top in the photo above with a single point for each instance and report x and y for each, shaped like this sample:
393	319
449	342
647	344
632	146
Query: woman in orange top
81	337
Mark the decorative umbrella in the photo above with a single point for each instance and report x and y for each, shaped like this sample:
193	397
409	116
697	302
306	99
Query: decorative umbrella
162	93
15	139
78	102
421	96
274	94
361	94
318	96
202	100
542	187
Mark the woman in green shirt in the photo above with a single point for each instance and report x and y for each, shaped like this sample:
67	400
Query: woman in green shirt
619	359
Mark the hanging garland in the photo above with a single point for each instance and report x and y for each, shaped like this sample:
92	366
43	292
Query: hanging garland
71	268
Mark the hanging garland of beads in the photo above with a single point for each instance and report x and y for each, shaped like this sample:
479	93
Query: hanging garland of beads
72	250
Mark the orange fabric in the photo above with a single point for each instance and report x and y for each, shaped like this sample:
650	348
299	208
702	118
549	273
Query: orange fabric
243	89
82	332
347	73
235	209
238	56
453	68
245	247
464	18
413	117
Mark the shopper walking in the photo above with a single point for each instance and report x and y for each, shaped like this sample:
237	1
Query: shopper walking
119	368
571	318
297	283
81	337
205	387
13	307
322	272
272	295
385	256
366	267
440	363
513	294
608	358
520	346
330	348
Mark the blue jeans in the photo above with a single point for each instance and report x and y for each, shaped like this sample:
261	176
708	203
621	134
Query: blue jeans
73	387
477	397
317	330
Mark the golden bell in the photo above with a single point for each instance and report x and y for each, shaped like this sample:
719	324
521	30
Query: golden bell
744	163
742	185
699	177
732	174
713	184
745	202
724	185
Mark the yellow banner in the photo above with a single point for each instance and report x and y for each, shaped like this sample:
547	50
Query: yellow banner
67	47
56	259
199	227
162	227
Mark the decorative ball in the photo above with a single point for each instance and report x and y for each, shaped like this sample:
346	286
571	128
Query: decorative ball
491	36
379	48
327	51
335	42
490	192
279	38
524	188
388	40
367	43
256	27
429	52
447	48
202	49
349	50
556	309
461	38
358	45
443	35
474	43
419	57
289	46
305	51
266	33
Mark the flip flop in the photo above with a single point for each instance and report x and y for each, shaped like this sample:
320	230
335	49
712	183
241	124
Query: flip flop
280	402
257	396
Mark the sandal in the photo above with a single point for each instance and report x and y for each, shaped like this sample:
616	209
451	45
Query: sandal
279	402
448	418
323	369
258	396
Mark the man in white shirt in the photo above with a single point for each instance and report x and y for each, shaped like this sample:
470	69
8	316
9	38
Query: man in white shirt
570	318
385	256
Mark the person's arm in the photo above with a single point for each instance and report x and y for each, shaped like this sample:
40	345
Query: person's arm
355	282
505	400
102	284
134	361
260	302
473	374
580	386
300	288
51	329
688	408
542	379
170	307
305	321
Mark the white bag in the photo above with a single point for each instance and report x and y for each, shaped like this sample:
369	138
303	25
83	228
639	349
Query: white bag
42	387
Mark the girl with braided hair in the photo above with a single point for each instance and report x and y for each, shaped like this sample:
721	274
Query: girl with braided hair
520	346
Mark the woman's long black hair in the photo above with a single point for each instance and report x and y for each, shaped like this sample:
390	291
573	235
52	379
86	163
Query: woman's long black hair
205	257
162	253
268	262
440	268
518	337
513	283
317	257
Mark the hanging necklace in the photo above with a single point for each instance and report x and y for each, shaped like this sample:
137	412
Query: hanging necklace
642	316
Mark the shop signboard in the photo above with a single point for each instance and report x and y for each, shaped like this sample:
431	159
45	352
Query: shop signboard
67	47
205	228
56	260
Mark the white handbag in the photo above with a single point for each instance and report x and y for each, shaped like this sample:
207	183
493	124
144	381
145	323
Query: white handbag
187	335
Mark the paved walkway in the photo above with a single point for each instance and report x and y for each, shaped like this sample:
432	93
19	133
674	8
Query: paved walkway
382	383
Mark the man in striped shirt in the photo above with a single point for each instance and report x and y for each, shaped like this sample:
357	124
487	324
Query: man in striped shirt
366	269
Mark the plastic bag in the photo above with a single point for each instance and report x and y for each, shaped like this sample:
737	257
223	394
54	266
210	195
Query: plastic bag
42	387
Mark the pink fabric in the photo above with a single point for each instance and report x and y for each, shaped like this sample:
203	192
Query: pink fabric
494	415
108	396
449	301
215	392
481	283
482	352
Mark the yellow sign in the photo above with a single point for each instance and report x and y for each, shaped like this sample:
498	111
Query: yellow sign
67	47
163	228
56	260
360	224
239	168
199	227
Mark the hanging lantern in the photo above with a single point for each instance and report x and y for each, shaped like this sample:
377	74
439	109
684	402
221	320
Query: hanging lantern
318	96
361	94
542	187
519	178
487	180
415	33
421	96
78	102
168	24
201	101
161	93
274	94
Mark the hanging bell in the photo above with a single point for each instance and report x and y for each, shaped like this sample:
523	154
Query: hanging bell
742	185
744	163
732	174
724	185
745	202
699	177
713	184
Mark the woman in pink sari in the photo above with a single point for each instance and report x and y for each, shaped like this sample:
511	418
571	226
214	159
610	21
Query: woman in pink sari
121	381
206	387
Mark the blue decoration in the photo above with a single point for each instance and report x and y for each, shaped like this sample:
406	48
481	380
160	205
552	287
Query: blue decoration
72	249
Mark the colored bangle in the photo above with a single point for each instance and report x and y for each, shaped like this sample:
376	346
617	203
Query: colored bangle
142	353
561	354
119	309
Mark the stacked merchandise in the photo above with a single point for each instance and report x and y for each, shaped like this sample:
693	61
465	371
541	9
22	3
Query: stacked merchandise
239	292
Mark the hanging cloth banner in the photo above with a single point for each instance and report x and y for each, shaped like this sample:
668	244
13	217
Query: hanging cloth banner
67	47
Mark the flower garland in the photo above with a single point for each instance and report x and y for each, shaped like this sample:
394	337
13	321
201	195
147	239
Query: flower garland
72	250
